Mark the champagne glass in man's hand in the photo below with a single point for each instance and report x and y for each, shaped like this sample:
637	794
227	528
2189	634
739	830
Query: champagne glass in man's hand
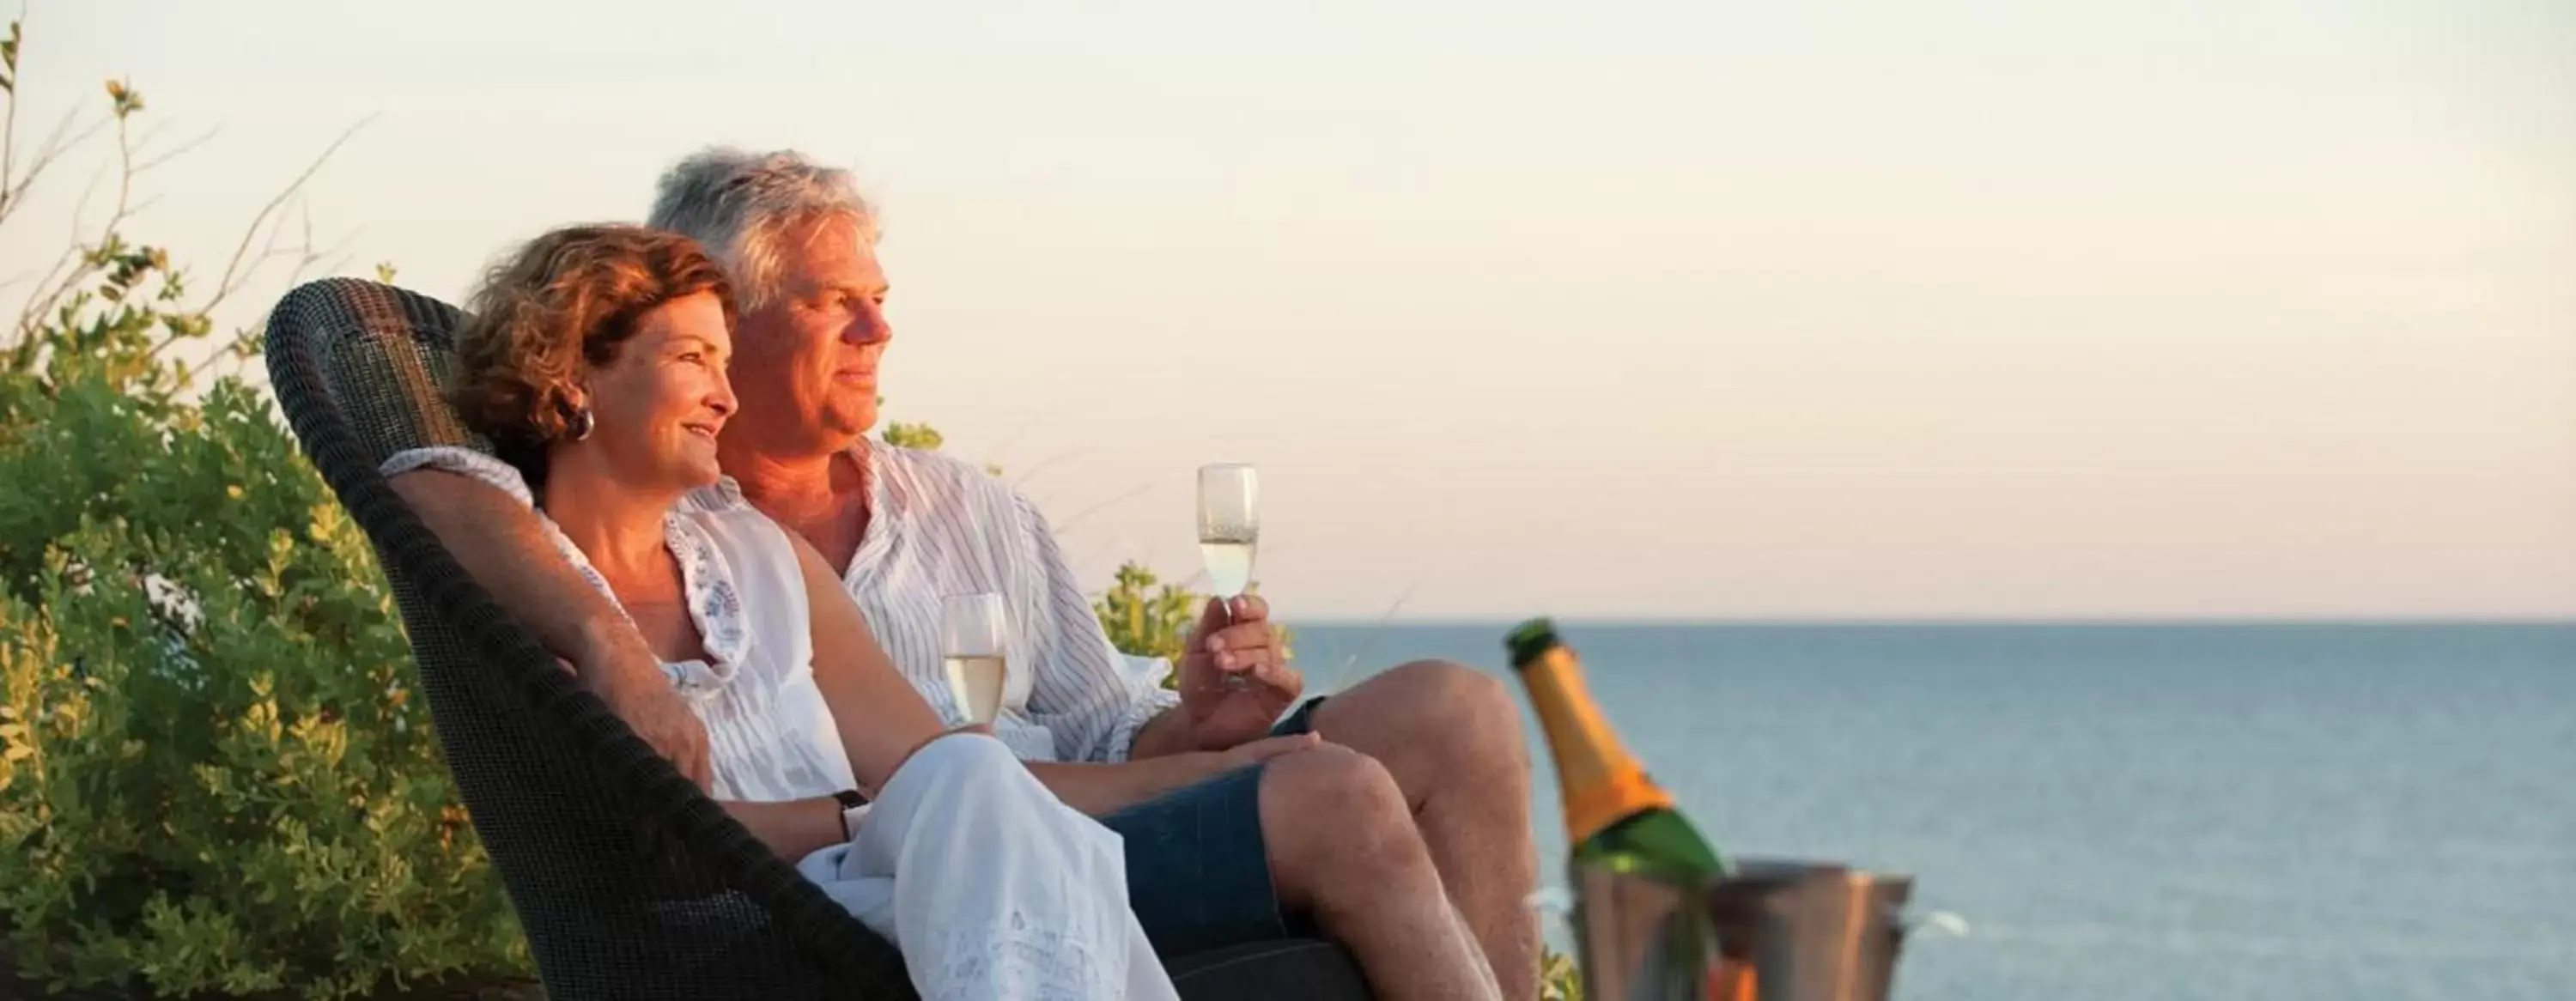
1235	641
1229	532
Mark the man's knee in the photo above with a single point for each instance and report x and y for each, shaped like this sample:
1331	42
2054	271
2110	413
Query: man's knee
1476	701
1466	717
1334	803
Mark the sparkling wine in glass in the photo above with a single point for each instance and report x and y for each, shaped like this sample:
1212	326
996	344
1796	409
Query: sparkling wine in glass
1229	525
972	638
1229	531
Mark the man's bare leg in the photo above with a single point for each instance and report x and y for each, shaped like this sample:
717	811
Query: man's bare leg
1451	737
1343	847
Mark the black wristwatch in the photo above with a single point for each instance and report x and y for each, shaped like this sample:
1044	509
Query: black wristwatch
849	800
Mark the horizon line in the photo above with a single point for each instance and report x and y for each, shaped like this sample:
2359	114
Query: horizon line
2079	621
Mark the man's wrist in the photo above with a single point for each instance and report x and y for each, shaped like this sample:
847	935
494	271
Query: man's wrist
1167	732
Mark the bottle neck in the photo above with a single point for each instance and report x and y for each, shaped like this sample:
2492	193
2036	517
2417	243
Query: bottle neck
1598	780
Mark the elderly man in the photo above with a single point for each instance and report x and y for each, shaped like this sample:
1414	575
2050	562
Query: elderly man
1235	821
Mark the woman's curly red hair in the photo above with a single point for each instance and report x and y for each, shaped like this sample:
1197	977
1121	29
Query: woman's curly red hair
564	302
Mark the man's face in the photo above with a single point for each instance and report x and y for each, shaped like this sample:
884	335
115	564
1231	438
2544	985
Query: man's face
805	364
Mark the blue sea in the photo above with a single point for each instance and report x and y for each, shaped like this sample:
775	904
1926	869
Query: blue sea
2286	812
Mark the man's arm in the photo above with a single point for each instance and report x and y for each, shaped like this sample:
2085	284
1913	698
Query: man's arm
498	540
1168	733
1099	790
1080	688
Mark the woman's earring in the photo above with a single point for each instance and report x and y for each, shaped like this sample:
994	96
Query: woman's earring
581	424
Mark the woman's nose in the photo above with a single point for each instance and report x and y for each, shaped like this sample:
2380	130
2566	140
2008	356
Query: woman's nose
722	401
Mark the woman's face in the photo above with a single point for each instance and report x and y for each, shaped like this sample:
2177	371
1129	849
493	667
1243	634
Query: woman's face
658	406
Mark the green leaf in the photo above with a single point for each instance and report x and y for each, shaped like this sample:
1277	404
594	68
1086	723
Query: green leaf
920	436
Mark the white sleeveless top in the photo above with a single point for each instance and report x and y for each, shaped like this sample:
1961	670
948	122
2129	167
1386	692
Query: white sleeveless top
770	736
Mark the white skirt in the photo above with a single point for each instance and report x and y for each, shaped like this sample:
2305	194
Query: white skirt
990	885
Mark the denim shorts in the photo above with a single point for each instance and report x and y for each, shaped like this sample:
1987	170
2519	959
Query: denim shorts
1198	873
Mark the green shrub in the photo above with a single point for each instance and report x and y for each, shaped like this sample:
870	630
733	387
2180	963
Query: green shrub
1558	978
214	774
1147	620
920	436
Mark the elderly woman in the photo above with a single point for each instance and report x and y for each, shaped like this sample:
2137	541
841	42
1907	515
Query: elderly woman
595	362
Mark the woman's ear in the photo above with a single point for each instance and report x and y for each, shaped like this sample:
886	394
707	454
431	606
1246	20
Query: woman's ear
570	411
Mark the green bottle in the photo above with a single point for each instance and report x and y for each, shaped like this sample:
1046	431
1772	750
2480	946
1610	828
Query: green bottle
1614	814
1618	819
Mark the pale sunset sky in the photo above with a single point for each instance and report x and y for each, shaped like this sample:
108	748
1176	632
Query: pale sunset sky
2025	310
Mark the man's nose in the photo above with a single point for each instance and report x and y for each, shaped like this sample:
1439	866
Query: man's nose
868	325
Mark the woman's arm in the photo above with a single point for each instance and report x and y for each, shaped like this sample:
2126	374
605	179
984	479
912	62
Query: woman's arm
881	718
792	829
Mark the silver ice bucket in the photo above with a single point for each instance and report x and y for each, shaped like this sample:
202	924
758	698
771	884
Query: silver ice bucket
1778	930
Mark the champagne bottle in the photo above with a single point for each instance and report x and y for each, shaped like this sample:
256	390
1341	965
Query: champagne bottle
1619	819
1615	815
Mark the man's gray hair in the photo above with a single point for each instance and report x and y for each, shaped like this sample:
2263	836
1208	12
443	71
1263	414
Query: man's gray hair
743	206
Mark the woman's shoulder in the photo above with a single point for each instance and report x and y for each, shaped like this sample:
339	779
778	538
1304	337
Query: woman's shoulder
721	509
720	536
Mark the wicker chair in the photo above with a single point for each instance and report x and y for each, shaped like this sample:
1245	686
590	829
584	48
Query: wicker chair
629	882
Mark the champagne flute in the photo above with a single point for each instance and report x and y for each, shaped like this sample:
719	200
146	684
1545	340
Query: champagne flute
1229	533
972	641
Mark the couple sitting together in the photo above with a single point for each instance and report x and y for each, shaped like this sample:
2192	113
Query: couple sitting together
682	501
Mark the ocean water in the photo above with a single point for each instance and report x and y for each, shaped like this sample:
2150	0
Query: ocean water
2284	812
